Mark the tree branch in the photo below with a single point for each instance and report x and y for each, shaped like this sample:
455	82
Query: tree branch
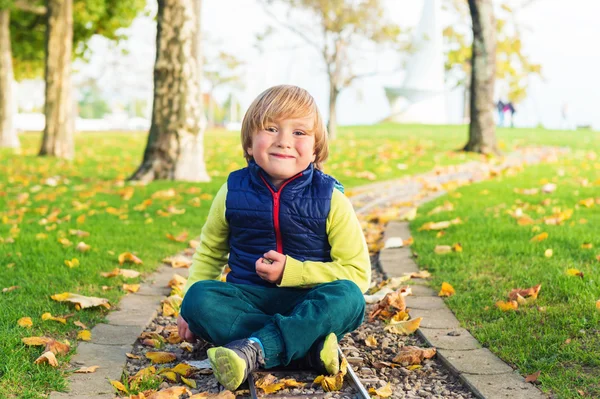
26	5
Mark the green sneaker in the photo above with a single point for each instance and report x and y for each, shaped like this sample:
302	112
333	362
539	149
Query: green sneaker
233	362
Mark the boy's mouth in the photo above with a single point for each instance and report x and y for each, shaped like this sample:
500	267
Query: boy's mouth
282	156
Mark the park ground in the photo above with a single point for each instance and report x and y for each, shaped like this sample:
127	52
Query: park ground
46	205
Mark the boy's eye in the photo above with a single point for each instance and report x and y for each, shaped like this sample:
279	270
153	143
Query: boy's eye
271	129
299	133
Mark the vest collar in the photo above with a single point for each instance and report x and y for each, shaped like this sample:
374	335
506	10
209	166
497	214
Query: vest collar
296	184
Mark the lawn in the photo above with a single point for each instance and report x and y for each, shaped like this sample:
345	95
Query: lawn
44	200
559	333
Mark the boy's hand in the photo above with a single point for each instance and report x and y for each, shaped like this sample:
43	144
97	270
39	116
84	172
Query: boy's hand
184	331
271	266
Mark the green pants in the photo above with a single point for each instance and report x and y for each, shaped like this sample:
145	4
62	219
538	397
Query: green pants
287	321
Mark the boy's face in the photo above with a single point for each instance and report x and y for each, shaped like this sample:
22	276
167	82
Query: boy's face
284	148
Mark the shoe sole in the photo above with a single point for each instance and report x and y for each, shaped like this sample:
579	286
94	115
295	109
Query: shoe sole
229	369
329	354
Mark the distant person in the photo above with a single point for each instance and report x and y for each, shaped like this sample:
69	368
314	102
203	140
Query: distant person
511	108
500	107
298	257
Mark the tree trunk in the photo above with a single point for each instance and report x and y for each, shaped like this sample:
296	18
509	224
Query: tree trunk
332	124
58	108
8	133
467	100
482	130
175	148
199	56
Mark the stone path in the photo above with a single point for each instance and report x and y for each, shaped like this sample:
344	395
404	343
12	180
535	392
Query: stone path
486	375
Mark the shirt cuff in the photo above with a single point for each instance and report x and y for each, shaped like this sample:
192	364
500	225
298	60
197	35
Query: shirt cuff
292	274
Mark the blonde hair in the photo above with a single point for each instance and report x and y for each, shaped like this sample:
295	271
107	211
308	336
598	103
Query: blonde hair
282	102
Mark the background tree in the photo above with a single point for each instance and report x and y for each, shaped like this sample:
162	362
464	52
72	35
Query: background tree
28	32
513	67
175	143
482	129
222	70
338	29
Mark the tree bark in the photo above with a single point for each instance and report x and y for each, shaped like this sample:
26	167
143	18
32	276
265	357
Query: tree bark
175	149
8	133
58	108
482	130
332	123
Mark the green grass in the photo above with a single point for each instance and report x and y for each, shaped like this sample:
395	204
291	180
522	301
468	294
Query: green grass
560	333
93	183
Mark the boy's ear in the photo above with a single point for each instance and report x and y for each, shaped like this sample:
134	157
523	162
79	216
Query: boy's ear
249	151
314	157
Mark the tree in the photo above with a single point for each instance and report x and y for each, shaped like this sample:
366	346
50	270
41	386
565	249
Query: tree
28	28
175	142
482	129
93	106
221	70
337	29
513	66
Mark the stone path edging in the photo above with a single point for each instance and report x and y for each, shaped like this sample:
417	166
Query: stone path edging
486	375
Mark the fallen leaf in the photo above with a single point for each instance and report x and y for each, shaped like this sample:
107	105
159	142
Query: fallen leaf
87	370
47	357
132	356
533	377
58	348
383	392
410	355
419	274
72	263
80	301
161	357
393	300
182	237
25	322
169	375
80	324
587	245
442	249
598	304
177	262
129	257
548	253
11	288
48	316
189	382
574	272
83	247
540	237
187	346
527	292
176	281
588	202
183	369
84	335
457	247
132	288
446	290
404	327
35	341
371	342
506	306
128	273
118	385
208	395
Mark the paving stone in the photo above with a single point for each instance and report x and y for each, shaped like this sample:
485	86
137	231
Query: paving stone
476	361
453	338
153	290
435	318
107	334
396	229
397	261
425	302
422	290
62	395
135	310
501	386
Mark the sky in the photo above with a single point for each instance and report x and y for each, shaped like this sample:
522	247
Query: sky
557	34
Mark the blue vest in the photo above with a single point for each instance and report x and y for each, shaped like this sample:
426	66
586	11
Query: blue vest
291	220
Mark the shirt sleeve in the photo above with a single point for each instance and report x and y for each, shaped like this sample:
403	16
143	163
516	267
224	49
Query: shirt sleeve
211	254
349	252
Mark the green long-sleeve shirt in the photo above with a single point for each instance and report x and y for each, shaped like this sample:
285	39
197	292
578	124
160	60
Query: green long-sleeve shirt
349	252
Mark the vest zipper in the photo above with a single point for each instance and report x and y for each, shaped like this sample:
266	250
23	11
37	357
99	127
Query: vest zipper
275	195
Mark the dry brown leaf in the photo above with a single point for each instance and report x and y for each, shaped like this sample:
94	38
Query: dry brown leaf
47	357
80	301
83	247
371	342
533	377
11	288
404	327
132	356
131	288
410	355
129	257
527	292
36	341
87	370
128	273
574	272
58	348
161	357
540	237
208	395
442	249
446	290
80	324
25	322
392	301
181	237
177	281
178	261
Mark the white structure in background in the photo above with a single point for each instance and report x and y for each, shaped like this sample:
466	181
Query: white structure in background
422	97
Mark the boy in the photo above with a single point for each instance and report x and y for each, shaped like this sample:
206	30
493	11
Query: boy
299	261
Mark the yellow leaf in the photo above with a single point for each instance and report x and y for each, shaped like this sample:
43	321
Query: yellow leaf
87	370
83	247
81	301
25	322
506	306
80	219
187	346
47	357
72	263
48	316
133	288
65	242
574	272
442	249
129	257
189	382
399	316
182	237
540	237
457	247
548	253
147	371
118	385
447	290
598	304
587	245
371	341
35	341
383	392
588	202
161	357
132	356
84	335
414	367
183	369
404	327
169	375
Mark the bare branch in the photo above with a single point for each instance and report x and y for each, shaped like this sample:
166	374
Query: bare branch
27	5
